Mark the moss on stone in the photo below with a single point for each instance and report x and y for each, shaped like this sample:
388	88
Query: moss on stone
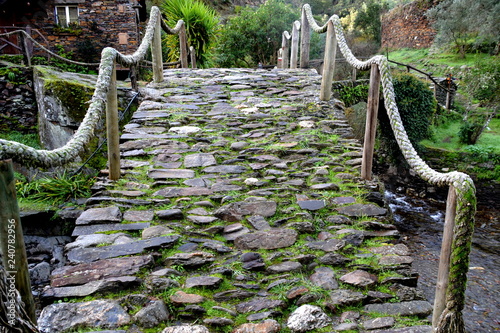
72	95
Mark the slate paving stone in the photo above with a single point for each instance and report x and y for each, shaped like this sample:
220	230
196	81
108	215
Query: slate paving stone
171	173
100	215
93	254
90	229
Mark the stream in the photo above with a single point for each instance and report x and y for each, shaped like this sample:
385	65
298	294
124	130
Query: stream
421	223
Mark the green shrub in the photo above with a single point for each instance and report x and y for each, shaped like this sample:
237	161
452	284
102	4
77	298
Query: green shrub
254	35
201	28
351	95
416	105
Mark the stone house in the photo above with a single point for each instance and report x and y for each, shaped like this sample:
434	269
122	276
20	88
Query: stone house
83	27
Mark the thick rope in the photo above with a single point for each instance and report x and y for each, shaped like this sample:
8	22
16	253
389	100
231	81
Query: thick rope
30	156
451	319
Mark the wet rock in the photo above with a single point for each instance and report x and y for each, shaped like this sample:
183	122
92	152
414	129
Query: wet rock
61	317
359	278
307	318
412	308
267	326
324	277
268	240
152	315
100	215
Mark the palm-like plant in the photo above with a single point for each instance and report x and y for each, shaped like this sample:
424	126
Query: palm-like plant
201	28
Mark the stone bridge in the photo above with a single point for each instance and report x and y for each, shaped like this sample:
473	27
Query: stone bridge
240	209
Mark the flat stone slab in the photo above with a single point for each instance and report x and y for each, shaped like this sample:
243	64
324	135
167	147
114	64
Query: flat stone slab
225	169
412	308
171	173
172	192
235	211
199	160
112	284
101	269
268	240
110	214
358	210
91	229
93	254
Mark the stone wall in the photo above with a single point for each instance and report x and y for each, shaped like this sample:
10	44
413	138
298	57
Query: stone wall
101	24
407	26
18	107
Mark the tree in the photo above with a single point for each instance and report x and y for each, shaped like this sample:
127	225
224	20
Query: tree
254	35
368	20
466	24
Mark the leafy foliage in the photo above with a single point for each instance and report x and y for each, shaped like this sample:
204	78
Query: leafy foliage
351	95
467	24
254	35
201	28
368	20
416	105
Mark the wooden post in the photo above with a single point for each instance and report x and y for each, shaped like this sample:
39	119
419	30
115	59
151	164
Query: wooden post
183	46
11	238
444	258
25	49
134	73
285	51
156	53
353	75
193	56
305	40
329	63
371	123
112	129
295	45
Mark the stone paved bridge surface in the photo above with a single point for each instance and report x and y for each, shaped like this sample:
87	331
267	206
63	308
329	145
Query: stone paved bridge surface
240	209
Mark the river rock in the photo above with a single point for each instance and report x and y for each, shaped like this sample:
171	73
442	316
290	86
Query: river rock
268	240
60	317
307	318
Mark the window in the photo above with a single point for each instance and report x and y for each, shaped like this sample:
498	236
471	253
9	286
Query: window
66	15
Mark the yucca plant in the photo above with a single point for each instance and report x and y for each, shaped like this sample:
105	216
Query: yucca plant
201	28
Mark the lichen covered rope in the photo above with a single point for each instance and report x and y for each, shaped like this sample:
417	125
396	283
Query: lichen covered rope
30	156
451	319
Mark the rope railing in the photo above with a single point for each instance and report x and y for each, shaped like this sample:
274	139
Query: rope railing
461	203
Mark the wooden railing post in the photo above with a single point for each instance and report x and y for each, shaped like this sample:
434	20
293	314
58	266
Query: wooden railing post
285	51
156	53
112	129
329	63
305	40
12	246
444	258
371	123
295	45
192	53
183	46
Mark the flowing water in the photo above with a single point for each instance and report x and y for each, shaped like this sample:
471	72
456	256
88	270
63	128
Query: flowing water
421	223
